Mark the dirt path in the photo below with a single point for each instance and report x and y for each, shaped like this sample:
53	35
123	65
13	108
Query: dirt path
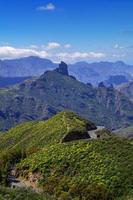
67	127
93	134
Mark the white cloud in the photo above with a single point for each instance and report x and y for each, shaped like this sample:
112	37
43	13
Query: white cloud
48	7
67	46
53	45
118	55
8	52
117	46
33	46
79	56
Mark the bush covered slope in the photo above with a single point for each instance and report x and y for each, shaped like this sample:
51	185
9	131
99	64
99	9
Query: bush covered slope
20	194
98	169
40	133
24	139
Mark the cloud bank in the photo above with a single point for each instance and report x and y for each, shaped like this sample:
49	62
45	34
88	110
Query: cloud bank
80	56
10	52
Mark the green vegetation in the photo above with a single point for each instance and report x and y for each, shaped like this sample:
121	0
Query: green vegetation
76	169
20	194
81	169
25	139
35	135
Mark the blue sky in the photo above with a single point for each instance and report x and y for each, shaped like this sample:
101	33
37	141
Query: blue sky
69	30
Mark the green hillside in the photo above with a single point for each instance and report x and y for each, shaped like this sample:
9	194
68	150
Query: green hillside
25	139
37	134
99	169
58	157
21	194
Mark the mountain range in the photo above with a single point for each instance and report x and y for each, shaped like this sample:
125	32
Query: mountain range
28	66
55	91
83	71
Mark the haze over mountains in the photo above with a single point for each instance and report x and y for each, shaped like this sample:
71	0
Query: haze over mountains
83	71
55	91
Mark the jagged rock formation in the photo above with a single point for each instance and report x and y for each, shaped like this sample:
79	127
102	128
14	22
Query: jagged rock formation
63	69
55	91
83	71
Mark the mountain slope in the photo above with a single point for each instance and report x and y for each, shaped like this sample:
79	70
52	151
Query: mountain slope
30	137
81	169
83	71
35	135
127	90
55	91
21	194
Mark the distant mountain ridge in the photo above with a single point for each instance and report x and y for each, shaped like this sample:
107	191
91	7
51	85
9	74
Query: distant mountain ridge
83	71
55	91
9	81
100	71
28	66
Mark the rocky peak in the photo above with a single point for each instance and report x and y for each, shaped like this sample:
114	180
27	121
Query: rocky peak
63	68
101	85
